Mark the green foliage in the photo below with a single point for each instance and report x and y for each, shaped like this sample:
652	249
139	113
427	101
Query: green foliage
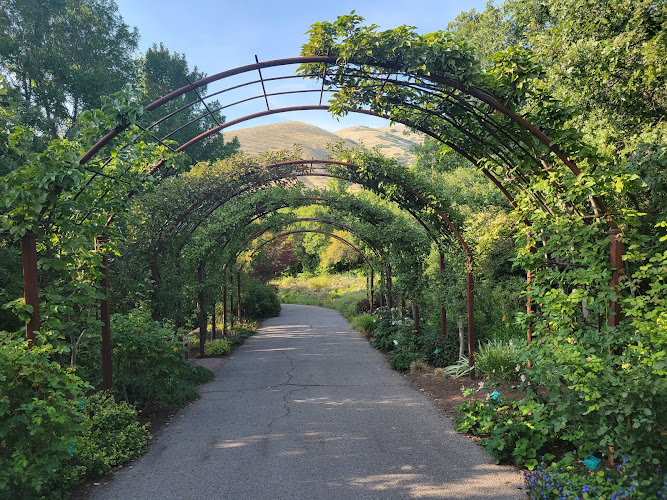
110	434
567	478
40	418
217	347
259	300
497	359
364	323
402	360
510	431
458	369
62	56
149	363
160	72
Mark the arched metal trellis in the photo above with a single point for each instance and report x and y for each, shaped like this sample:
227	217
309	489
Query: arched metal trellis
500	135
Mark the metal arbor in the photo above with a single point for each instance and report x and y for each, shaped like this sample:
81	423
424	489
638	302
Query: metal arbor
480	128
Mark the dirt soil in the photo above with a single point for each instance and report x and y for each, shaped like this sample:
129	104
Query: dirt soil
446	392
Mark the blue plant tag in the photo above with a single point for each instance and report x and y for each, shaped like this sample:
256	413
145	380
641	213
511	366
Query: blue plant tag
437	351
494	395
70	450
591	462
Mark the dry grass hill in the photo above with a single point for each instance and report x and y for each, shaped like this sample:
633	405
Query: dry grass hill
392	141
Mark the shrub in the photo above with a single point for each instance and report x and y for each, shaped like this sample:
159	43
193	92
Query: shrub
511	431
217	347
364	323
259	300
149	362
111	434
401	361
362	306
498	359
40	417
438	350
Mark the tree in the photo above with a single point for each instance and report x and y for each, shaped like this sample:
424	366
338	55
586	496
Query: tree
59	57
161	72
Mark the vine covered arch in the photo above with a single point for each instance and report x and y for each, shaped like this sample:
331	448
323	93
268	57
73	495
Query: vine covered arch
428	82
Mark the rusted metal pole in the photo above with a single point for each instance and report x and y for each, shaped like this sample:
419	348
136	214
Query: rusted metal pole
471	316
443	311
415	306
224	303
231	298
382	286
371	288
529	305
105	318
238	292
616	261
390	301
202	309
529	309
30	283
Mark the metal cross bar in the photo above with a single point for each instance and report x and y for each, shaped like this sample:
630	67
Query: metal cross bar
202	101
259	70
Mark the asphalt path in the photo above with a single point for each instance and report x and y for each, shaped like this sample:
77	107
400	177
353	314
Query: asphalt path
306	409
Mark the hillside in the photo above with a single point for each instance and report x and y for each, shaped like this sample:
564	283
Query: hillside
285	135
392	141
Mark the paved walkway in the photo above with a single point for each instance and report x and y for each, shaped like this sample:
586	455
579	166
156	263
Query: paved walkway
306	409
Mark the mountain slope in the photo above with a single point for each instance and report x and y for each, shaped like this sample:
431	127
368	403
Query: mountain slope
393	141
285	135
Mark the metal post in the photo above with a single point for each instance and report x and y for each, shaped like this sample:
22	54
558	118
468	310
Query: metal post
443	311
202	309
224	303
231	299
390	301
529	306
30	283
371	288
616	261
105	317
529	309
238	292
471	316
415	306
382	286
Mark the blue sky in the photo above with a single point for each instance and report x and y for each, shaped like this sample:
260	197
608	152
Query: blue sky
216	36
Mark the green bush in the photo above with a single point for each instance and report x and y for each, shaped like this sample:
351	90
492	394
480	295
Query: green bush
510	431
259	300
362	306
364	323
498	359
40	417
111	434
402	360
217	347
438	350
149	362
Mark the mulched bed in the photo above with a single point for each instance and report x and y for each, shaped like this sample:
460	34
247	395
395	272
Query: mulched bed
447	392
